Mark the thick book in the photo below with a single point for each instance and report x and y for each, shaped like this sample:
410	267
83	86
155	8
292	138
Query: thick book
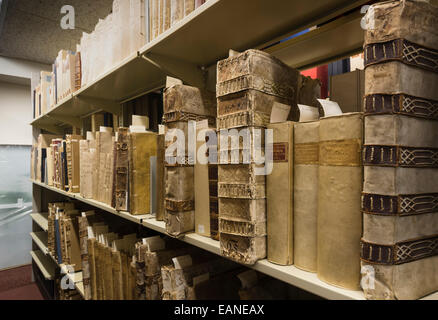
280	195
160	177
339	194
306	166
142	146
257	70
121	169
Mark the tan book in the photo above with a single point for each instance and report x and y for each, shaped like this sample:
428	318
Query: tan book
143	146
339	194
280	195
306	166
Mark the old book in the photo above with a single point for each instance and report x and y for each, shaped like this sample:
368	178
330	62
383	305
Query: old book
306	161
243	249
183	103
176	11
339	192
205	181
411	20
399	199
142	146
309	91
78	71
241	181
189	6
179	222
72	240
160	177
104	149
50	166
72	142
280	194
122	170
140	288
257	70
246	108
179	190
85	221
166	14
243	209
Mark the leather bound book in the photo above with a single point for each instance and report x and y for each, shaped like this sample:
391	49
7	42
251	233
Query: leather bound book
240	181
160	177
339	194
205	181
306	160
399	203
182	102
166	14
246	108
401	50
257	70
179	190
176	11
78	71
280	194
50	166
242	249
122	170
179	222
72	143
189	6
142	146
411	20
103	149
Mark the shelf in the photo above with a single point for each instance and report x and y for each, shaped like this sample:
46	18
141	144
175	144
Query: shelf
40	239
44	263
136	219
204	37
41	220
322	45
305	280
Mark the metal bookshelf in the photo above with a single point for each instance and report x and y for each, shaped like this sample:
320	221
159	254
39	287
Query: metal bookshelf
187	51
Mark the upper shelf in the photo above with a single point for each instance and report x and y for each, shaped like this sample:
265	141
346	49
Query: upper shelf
204	37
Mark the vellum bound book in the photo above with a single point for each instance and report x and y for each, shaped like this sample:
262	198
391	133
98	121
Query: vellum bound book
280	193
399	249
339	194
179	200
184	103
306	166
142	147
249	84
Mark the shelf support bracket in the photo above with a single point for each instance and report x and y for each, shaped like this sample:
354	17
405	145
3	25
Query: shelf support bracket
104	104
189	73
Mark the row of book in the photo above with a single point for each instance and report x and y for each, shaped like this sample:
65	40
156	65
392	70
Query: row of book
125	267
130	25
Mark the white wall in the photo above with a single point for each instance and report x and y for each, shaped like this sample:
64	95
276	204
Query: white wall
15	114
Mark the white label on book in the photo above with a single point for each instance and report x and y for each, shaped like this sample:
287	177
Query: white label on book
330	108
201	228
308	113
182	262
280	112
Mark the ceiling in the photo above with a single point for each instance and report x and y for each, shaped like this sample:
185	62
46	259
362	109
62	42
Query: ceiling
30	29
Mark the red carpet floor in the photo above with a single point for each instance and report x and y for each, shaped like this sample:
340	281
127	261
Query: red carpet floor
16	284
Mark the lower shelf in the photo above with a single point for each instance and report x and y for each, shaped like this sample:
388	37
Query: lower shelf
44	263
